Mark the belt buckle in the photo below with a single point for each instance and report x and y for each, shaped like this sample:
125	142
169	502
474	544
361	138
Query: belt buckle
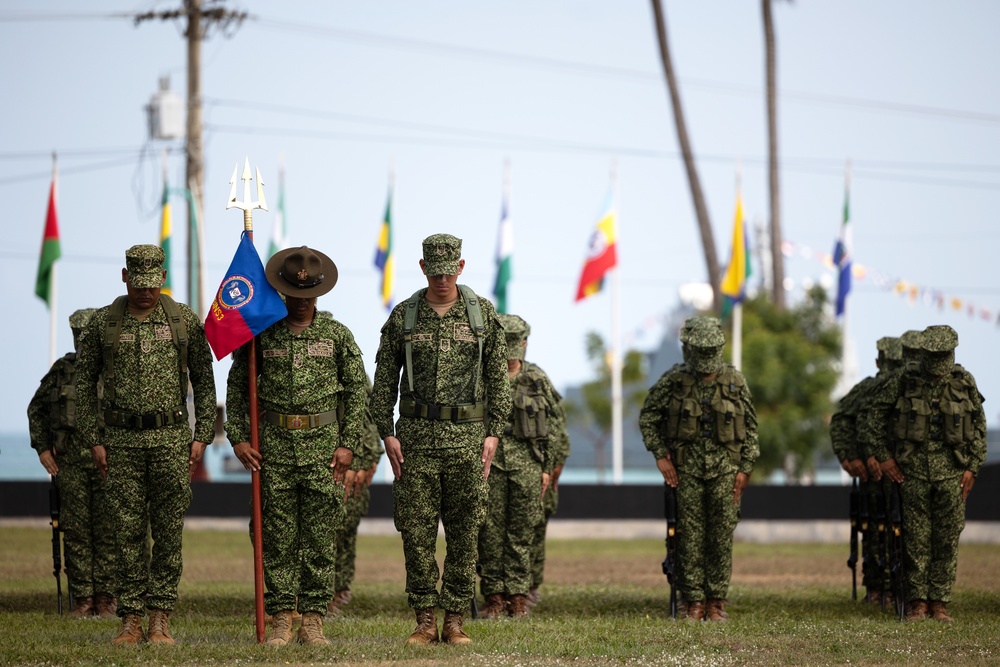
294	422
433	411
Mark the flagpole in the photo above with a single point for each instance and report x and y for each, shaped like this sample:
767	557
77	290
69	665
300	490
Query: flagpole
846	380
53	284
738	307
616	360
256	521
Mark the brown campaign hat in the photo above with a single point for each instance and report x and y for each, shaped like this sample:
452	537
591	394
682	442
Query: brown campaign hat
301	272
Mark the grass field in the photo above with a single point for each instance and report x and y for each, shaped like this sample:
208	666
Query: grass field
604	602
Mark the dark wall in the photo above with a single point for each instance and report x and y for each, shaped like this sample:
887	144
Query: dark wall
578	501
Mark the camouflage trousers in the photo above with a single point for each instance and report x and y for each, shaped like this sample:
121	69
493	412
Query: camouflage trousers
301	511
447	483
346	540
550	502
148	487
706	519
88	535
875	566
933	519
507	538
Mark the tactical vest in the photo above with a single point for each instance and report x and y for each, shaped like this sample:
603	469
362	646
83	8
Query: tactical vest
719	417
112	334
62	402
530	412
476	322
918	418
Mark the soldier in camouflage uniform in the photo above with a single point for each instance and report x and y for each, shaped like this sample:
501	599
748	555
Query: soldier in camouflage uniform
145	348
934	419
520	474
844	436
357	498
454	400
699	422
557	452
84	518
309	366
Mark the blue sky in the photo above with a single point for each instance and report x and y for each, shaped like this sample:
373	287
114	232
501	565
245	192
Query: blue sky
447	91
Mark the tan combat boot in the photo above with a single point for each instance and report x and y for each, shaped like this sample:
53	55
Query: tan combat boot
131	632
281	628
716	612
534	596
939	611
916	610
451	631
107	606
696	610
518	607
493	607
339	601
427	630
311	631
84	608
159	627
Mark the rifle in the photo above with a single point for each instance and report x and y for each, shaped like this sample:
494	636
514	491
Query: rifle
864	522
882	557
852	559
56	542
896	551
475	605
669	563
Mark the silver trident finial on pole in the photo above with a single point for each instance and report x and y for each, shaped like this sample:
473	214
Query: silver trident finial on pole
247	205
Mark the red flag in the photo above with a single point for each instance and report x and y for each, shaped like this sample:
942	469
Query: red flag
51	250
602	253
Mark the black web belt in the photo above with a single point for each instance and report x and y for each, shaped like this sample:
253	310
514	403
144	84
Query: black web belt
459	414
143	422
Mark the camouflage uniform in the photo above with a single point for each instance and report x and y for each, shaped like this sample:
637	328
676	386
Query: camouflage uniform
506	540
933	426
84	517
356	506
847	446
558	452
300	374
709	431
443	469
148	471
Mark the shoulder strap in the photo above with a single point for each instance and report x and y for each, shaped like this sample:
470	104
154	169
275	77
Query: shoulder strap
409	320
178	331
112	332
478	325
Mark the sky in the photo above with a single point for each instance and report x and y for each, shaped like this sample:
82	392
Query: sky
445	92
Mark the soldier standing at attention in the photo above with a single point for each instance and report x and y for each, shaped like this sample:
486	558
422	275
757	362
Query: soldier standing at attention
699	422
145	347
85	520
309	366
936	420
454	401
520	474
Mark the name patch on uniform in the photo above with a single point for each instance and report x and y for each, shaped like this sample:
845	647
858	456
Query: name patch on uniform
463	332
320	348
275	353
126	338
163	332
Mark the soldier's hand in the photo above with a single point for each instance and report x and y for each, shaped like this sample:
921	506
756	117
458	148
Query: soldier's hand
48	459
490	445
248	457
666	467
197	451
371	474
555	476
341	463
968	480
546	480
100	459
742	479
892	471
350	477
874	469
856	468
394	452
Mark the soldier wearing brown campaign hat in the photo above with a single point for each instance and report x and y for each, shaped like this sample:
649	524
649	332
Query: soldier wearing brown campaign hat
301	272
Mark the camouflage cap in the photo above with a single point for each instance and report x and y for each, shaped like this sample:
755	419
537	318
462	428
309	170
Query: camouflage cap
703	331
911	340
515	331
79	318
890	347
145	266
441	254
939	338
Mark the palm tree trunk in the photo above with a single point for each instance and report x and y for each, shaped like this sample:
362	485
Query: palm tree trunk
777	260
701	211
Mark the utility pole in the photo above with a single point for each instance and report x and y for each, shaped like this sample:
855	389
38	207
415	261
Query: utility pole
201	17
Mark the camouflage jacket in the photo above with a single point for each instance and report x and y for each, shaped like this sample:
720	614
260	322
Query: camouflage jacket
708	429
934	430
371	445
536	428
146	369
845	421
300	374
48	425
445	359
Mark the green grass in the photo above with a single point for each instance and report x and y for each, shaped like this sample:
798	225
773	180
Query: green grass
604	602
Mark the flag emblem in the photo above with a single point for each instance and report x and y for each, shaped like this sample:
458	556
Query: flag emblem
236	292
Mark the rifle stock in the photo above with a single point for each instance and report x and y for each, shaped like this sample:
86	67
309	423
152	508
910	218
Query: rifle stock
896	538
852	558
669	563
56	542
